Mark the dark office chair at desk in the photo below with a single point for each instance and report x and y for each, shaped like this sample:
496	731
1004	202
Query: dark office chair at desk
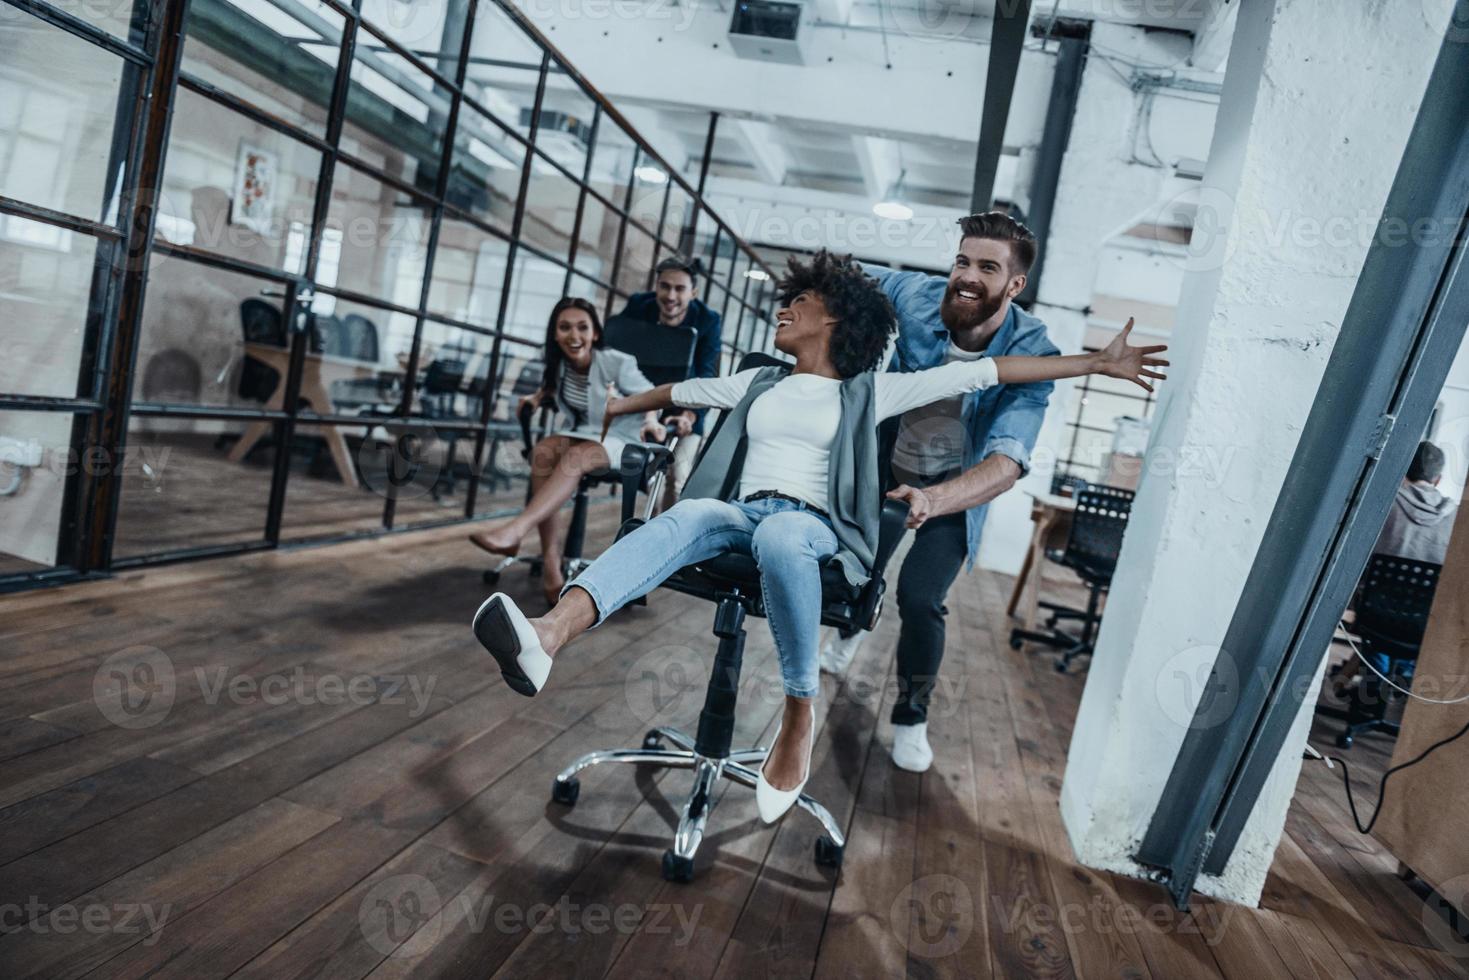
1392	613
1091	551
732	583
664	354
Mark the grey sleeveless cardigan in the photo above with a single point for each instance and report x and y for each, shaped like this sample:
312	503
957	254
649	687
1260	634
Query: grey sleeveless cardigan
852	485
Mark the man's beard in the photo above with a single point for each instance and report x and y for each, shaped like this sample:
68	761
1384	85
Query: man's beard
959	318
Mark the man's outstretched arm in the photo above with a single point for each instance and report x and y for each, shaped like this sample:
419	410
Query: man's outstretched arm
977	485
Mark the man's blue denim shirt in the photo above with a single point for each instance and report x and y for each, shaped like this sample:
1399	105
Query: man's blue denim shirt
1004	419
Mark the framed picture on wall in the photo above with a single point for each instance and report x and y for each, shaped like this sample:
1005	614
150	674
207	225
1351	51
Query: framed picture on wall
252	203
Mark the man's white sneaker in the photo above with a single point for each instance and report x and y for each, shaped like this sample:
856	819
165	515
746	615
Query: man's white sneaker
837	653
911	750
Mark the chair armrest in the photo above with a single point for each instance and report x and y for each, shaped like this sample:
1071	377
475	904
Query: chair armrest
891	528
524	415
890	531
639	461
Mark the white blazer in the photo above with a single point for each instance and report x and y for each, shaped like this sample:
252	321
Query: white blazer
620	369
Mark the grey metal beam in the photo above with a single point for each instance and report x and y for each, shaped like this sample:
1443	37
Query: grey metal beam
1065	88
1406	320
1007	39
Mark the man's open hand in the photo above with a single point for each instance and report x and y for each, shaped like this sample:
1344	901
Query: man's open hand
920	505
1119	360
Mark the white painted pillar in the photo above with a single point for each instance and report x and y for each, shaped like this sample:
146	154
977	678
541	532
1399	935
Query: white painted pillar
1101	189
1317	105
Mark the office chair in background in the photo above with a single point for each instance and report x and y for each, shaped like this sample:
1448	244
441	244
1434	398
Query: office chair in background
1392	610
1091	551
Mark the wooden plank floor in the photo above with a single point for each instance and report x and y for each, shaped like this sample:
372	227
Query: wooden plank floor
329	780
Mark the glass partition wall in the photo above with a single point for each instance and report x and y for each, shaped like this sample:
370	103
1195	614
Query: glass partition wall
276	271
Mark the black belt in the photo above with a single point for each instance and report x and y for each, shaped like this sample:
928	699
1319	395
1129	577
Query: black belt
777	495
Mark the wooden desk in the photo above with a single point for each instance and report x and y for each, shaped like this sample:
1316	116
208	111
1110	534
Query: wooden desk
1051	515
317	376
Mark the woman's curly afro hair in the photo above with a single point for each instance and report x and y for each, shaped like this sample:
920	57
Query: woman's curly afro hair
865	318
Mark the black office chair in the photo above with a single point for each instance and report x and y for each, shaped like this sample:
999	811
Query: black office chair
1067	484
260	323
664	355
1091	551
438	400
1392	606
732	582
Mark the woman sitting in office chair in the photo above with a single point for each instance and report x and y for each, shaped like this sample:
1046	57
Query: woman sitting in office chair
580	372
807	490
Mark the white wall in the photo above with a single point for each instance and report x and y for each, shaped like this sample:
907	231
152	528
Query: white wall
1317	106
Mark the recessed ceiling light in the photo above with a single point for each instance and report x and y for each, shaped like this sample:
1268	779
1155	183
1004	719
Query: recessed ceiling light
650	175
759	275
893	210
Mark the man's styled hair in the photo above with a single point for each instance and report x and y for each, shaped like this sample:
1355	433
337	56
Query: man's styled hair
1428	463
1001	227
865	317
675	264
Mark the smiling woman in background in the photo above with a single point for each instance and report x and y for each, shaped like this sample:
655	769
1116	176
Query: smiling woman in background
579	370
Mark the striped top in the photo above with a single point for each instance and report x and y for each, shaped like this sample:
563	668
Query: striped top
572	394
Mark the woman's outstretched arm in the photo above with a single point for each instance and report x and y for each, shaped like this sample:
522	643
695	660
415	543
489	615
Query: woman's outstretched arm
897	392
652	400
1117	360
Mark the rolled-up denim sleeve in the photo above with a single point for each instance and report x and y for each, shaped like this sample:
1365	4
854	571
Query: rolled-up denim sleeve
1017	423
894	282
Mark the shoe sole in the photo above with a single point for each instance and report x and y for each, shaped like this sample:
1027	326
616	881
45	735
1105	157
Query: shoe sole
496	633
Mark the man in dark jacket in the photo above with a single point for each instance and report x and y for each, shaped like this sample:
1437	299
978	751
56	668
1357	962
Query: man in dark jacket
675	302
1421	519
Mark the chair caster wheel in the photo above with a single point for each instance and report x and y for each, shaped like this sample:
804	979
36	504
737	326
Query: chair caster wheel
1016	642
566	792
679	869
1060	666
1344	741
490	577
829	852
652	740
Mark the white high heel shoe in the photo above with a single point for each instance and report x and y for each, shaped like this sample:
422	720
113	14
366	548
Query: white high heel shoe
772	802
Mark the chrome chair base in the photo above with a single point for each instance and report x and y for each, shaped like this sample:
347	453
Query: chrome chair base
678	861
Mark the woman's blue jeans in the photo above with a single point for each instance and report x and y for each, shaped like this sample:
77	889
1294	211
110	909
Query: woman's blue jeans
787	540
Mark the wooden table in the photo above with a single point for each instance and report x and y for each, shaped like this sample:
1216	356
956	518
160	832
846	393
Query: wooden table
317	376
1051	515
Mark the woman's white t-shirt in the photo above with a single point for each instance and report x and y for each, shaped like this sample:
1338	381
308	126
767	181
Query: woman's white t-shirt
791	425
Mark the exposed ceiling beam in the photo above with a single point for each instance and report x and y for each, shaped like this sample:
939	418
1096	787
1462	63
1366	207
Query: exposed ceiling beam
1011	23
1212	39
668	142
878	160
832	11
761	145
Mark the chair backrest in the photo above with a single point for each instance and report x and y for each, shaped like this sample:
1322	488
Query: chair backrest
357	338
1396	597
1062	482
261	323
528	381
326	334
444	376
1097	525
664	354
